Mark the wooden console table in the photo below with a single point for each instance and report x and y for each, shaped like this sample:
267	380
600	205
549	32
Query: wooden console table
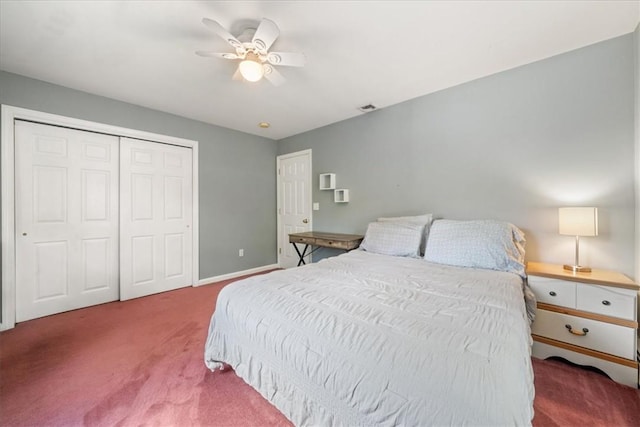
319	239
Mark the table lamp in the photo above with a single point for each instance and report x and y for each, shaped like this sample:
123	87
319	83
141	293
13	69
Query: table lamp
578	222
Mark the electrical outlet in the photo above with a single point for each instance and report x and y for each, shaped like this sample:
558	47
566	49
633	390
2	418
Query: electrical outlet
241	252
316	206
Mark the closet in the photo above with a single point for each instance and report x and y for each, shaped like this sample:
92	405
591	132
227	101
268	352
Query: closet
98	218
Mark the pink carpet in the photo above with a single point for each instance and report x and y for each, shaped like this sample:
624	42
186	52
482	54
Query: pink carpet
567	395
140	362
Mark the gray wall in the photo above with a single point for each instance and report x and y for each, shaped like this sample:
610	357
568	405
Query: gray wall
513	146
236	170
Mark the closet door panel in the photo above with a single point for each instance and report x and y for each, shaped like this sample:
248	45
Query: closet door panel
66	219
155	218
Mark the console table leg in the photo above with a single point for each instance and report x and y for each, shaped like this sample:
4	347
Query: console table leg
301	255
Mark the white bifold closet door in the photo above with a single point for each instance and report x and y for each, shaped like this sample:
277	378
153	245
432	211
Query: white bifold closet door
66	219
155	217
98	218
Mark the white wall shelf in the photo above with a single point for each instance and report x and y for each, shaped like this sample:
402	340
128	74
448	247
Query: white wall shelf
327	181
341	195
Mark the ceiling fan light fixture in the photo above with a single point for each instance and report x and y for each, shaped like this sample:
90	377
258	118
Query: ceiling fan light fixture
252	52
251	68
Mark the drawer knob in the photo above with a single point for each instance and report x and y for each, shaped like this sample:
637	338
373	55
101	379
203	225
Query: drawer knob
605	302
553	293
579	333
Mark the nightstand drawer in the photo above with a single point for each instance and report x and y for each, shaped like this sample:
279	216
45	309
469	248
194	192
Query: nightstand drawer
553	291
609	301
601	336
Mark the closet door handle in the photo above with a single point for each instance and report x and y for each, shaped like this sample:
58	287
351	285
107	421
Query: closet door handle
605	302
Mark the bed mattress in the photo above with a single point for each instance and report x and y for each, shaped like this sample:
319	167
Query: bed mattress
368	339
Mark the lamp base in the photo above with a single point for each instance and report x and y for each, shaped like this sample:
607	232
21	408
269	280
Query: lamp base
577	268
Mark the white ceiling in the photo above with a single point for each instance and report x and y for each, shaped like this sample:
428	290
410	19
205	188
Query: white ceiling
358	52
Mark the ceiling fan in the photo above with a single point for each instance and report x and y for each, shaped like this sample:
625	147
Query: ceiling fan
252	49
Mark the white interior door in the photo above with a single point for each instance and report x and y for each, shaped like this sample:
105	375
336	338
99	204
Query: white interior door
155	218
66	219
294	203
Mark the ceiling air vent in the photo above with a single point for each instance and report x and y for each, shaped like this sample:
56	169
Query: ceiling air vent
367	108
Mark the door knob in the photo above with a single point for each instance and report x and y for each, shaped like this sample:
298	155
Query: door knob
305	220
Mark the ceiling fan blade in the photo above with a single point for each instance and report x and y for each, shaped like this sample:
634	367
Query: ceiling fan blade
273	75
237	76
289	59
217	55
265	35
219	30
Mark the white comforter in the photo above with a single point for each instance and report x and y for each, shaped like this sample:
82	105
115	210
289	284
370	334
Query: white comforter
366	339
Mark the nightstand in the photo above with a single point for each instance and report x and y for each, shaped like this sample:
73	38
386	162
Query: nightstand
587	318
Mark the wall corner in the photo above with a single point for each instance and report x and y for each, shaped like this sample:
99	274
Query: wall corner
636	79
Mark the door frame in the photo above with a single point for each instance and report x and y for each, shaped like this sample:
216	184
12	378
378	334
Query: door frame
279	196
7	174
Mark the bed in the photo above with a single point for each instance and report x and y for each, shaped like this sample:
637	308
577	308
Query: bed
370	338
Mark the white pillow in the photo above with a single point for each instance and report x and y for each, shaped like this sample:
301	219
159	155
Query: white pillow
425	219
393	238
493	245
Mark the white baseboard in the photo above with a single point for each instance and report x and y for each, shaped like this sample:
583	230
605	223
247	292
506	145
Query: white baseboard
228	276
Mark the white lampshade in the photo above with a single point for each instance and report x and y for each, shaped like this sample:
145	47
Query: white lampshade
251	68
578	221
